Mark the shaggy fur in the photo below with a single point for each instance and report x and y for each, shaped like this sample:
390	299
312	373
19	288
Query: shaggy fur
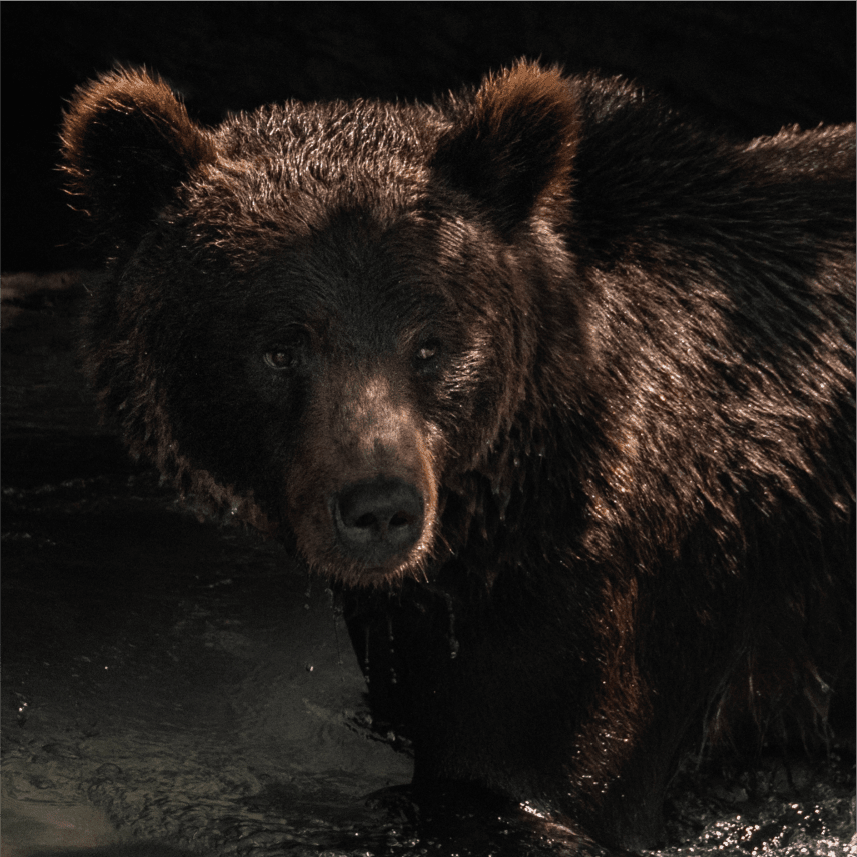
557	386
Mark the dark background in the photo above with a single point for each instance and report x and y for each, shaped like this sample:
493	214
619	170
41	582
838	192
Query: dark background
749	67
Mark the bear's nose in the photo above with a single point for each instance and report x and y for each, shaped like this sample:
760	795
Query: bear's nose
378	519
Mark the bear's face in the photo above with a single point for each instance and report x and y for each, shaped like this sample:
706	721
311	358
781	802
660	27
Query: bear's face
308	321
345	380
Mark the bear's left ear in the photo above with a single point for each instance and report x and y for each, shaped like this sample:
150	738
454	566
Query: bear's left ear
128	145
513	150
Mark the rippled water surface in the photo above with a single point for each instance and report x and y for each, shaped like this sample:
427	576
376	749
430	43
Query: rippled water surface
187	684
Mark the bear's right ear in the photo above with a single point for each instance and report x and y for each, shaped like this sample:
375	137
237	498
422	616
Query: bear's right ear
128	145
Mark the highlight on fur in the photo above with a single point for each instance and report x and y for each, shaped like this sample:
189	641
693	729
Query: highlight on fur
554	384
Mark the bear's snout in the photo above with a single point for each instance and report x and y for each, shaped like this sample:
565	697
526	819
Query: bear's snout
377	520
361	494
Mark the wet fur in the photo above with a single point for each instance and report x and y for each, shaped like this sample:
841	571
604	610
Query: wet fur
634	443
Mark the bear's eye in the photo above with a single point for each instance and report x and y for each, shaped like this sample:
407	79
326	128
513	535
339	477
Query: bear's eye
426	355
285	359
290	353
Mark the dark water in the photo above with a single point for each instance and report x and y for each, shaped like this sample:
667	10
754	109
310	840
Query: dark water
169	680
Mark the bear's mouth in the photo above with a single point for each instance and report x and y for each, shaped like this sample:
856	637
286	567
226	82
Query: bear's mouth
353	575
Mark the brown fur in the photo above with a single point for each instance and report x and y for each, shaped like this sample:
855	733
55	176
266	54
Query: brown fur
557	386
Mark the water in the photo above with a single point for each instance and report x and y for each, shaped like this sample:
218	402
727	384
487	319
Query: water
169	680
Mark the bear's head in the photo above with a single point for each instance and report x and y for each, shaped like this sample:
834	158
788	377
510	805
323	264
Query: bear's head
333	321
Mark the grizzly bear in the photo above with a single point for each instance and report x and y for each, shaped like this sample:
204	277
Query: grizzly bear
555	386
